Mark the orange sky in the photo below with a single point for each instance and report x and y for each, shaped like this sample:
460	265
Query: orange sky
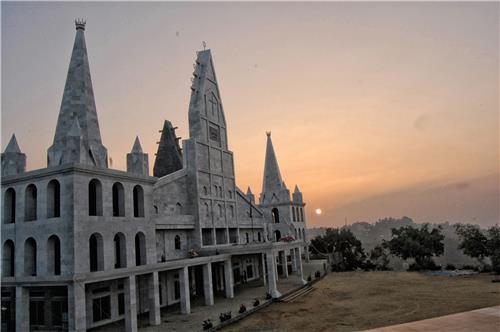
376	109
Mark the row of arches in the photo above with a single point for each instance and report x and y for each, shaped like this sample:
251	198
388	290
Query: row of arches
297	214
118	196
53	253
31	202
219	210
300	233
218	191
96	251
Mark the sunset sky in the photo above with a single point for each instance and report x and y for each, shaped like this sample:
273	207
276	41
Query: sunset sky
376	109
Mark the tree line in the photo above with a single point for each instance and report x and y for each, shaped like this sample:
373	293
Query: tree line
418	244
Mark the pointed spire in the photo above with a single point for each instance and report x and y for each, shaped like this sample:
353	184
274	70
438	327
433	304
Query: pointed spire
169	156
250	195
12	147
78	101
296	190
137	148
272	177
249	191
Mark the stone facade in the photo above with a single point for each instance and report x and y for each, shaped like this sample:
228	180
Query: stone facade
85	245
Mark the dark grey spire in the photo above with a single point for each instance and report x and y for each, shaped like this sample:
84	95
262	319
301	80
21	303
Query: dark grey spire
78	101
169	156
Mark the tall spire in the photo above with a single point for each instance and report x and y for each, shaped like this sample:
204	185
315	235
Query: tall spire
169	156
78	101
13	160
272	181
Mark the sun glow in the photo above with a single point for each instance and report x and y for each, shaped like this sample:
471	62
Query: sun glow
318	211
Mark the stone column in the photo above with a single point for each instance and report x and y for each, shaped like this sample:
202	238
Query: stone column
272	275
77	308
284	263
294	260
228	278
184	285
306	253
154	299
275	265
298	260
207	284
263	262
22	309
130	304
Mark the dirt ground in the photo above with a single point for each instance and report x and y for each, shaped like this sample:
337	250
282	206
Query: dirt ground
354	301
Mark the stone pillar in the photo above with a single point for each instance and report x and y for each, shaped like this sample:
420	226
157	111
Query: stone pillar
207	284
306	253
228	278
272	275
275	266
284	263
130	304
263	262
77	308
298	260
294	260
22	309
184	285
154	299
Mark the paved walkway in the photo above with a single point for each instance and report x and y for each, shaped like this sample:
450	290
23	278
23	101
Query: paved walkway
481	320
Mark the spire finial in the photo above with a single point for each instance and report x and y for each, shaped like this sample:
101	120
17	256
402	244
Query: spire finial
268	133
80	24
204	45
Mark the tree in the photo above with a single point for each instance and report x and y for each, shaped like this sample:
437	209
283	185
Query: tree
479	244
348	253
418	243
380	257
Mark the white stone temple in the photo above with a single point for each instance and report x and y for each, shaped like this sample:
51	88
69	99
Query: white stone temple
84	245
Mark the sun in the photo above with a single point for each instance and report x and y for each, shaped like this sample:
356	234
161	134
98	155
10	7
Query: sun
318	211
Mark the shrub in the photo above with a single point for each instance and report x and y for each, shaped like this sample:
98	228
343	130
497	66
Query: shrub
450	267
243	308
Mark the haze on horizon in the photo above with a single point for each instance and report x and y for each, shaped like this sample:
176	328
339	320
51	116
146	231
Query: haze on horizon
376	109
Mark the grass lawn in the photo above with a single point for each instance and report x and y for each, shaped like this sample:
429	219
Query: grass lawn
353	301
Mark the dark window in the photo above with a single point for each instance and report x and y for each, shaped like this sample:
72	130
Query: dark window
258	236
95	198
121	303
9	206
177	242
54	255
96	253
276	215
8	258
214	133
120	251
57	309
30	203
247	238
118	200
101	308
138	201
37	313
140	249
30	257
177	289
54	199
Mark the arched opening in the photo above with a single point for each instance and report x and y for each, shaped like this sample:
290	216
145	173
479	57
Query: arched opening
140	249
177	242
221	212
9	206
296	234
96	253
277	235
303	234
294	218
259	238
120	251
30	257
95	198
276	215
53	199
118	200
231	209
207	210
247	237
30	203
8	258
205	190
302	214
156	209
138	194
54	255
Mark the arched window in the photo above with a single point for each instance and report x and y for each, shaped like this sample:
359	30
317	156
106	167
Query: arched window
302	214
178	208
30	203
247	237
221	212
54	199
118	200
177	242
120	251
277	235
9	206
207	210
303	234
230	194
8	259
296	235
156	209
276	216
138	194
95	198
215	193
231	209
259	238
30	257
96	253
221	192
140	249
205	190
294	218
54	255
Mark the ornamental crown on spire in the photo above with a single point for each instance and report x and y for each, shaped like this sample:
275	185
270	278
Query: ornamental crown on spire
80	24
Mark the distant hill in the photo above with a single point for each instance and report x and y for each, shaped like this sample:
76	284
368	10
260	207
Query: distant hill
371	235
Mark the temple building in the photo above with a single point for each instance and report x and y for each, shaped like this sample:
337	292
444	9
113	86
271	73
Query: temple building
86	246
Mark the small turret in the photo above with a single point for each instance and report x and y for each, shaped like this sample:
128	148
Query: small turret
169	156
137	161
13	160
297	195
250	195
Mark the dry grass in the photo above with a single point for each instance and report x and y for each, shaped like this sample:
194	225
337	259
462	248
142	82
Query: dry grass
356	301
